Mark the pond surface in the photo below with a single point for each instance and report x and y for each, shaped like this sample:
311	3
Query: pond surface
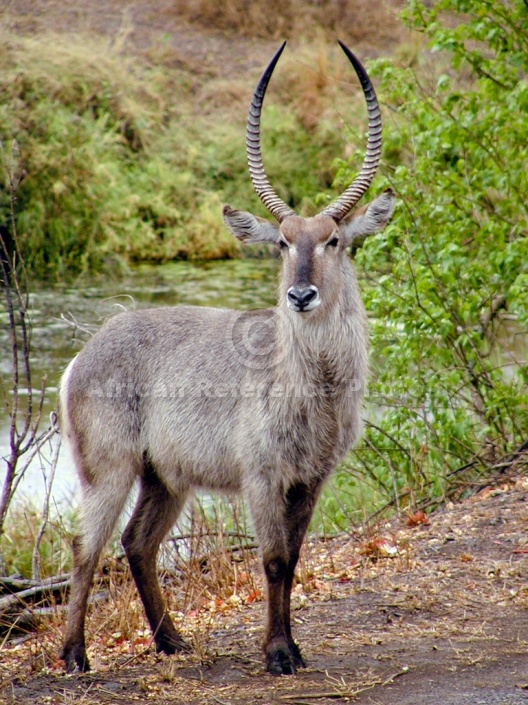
63	318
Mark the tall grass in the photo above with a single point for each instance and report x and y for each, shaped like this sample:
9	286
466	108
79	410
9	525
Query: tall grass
18	540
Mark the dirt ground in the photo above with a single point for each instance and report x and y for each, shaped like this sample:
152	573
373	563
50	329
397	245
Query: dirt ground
435	612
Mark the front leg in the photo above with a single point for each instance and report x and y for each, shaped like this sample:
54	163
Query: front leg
281	520
300	501
268	509
280	658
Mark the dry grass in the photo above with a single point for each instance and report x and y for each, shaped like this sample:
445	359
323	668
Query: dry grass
353	20
206	569
91	68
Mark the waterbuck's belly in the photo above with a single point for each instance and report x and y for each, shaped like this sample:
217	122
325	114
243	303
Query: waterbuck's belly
216	441
189	440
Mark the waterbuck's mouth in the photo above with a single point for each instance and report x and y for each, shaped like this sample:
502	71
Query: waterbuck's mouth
304	309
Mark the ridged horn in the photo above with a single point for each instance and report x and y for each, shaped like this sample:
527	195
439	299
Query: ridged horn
348	199
260	181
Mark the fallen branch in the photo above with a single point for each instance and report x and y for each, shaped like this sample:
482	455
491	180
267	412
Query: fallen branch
11	585
28	619
46	588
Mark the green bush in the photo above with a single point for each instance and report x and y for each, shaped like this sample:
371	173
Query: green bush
446	283
122	163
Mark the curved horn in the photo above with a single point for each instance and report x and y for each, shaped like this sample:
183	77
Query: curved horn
341	206
262	186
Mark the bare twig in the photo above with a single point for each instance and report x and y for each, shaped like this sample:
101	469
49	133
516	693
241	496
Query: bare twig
210	533
510	460
343	694
24	439
35	568
31	454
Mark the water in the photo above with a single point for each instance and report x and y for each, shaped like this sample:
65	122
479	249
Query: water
63	318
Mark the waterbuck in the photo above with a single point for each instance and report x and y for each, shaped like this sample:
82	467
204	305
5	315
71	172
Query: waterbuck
261	402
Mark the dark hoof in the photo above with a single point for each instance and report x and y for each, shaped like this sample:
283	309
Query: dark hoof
297	656
280	662
74	656
171	644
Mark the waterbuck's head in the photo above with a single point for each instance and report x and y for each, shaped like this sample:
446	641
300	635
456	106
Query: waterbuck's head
313	249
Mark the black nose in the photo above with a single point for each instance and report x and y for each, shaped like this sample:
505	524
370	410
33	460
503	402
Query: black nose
300	298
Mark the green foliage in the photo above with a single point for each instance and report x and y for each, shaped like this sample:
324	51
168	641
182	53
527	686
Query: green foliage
18	540
121	164
446	283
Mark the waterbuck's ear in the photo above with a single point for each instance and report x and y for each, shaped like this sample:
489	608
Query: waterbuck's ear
369	219
249	228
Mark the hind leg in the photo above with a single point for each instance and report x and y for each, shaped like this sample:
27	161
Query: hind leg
155	513
102	504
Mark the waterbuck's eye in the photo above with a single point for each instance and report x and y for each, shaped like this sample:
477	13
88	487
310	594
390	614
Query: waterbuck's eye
334	242
283	244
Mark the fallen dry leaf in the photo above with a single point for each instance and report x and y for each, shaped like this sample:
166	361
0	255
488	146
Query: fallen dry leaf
379	548
466	558
417	519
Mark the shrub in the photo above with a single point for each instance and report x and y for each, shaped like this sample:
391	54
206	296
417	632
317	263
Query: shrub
446	283
121	162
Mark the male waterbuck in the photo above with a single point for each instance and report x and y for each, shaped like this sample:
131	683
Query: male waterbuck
264	402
